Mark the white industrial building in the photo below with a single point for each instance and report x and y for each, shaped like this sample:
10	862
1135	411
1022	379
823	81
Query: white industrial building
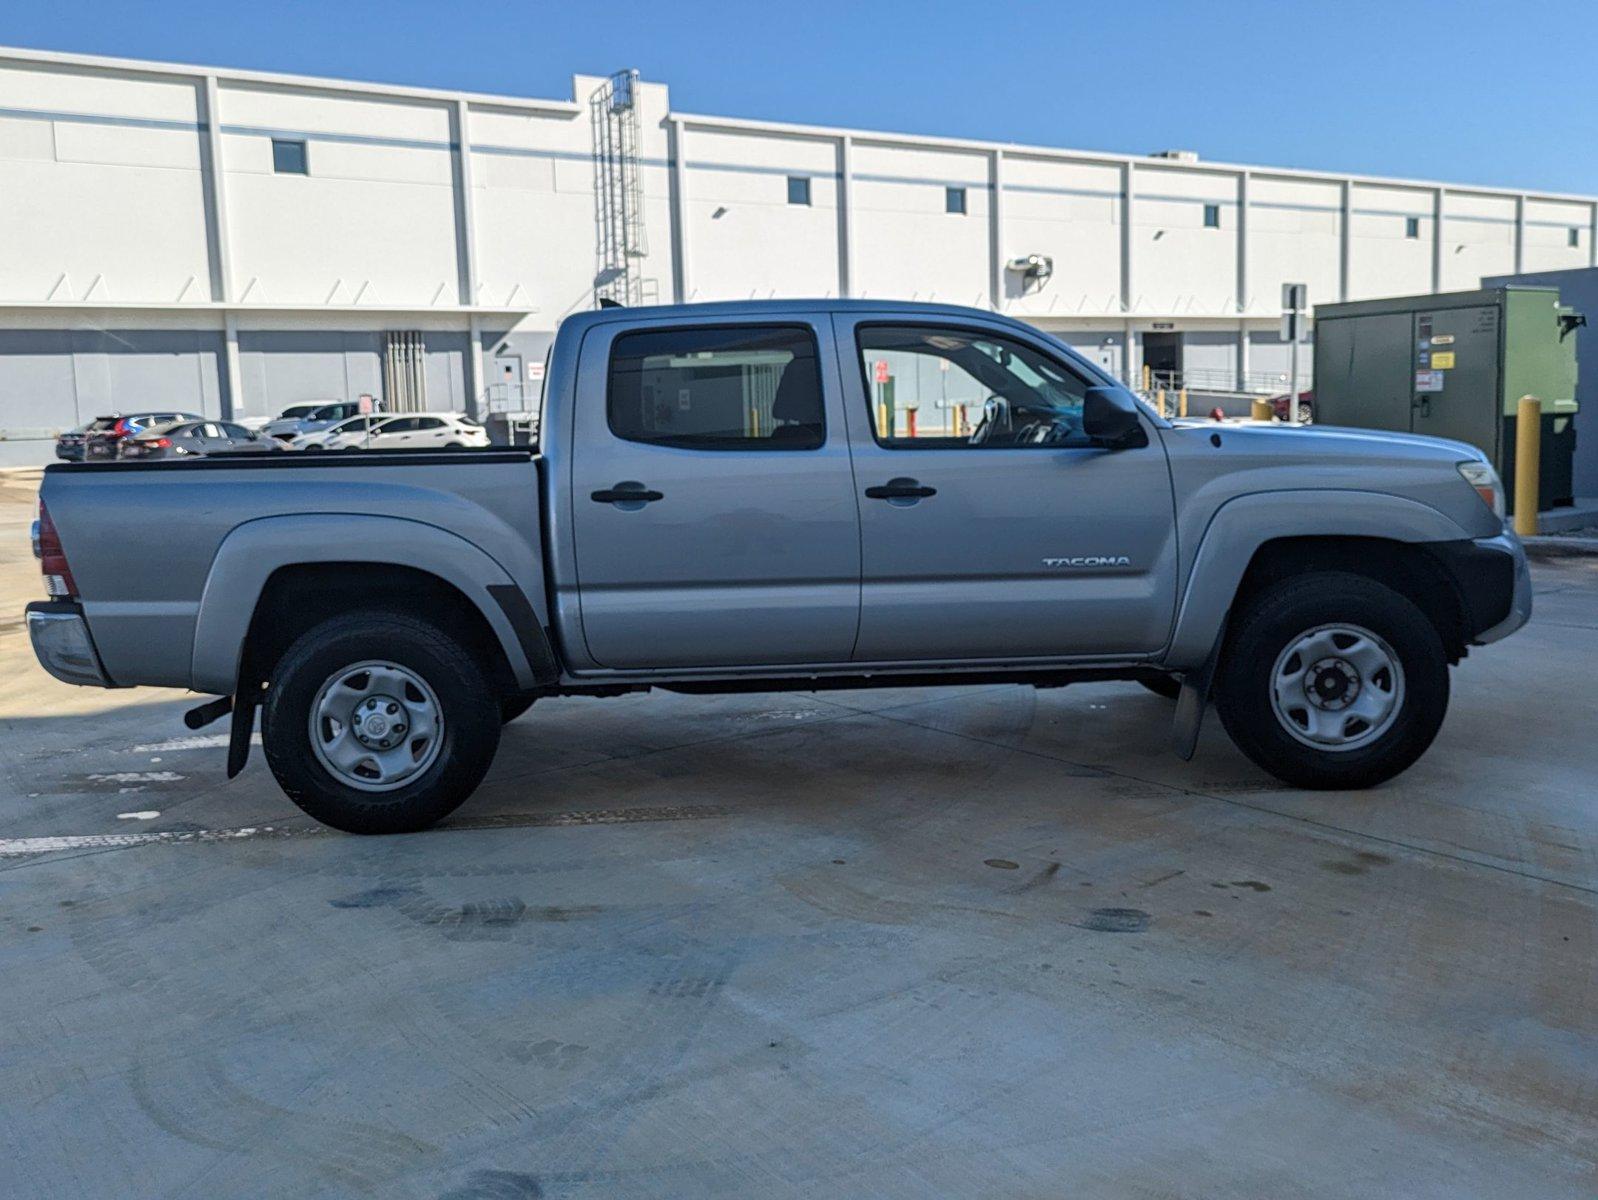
235	241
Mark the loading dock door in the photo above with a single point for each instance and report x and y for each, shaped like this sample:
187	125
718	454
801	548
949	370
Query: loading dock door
1162	354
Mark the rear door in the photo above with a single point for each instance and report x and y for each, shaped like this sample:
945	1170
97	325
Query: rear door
992	527
713	508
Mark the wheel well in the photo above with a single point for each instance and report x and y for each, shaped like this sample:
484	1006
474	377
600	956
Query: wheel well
296	598
1405	567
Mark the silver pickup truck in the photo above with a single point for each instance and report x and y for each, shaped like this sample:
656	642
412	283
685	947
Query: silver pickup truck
786	495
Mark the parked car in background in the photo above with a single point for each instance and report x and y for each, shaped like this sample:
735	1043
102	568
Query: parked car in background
287	423
355	427
69	445
105	443
321	418
186	438
1306	407
415	431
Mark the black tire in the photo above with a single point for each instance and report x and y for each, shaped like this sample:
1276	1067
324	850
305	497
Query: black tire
1167	686
313	448
513	707
1271	621
454	446
467	703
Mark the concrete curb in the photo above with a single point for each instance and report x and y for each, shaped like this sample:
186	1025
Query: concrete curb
1546	548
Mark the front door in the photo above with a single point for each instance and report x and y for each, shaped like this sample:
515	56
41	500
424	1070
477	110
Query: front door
992	527
713	508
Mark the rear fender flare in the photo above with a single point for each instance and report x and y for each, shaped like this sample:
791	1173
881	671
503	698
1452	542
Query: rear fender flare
251	553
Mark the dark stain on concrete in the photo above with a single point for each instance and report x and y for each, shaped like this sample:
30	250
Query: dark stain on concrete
1338	867
1116	920
1002	864
1202	912
377	897
1042	877
497	1185
1253	885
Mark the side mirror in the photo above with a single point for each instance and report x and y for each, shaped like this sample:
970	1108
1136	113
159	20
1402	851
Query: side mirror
1109	417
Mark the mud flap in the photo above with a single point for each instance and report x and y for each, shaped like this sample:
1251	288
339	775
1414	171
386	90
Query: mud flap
243	727
1193	700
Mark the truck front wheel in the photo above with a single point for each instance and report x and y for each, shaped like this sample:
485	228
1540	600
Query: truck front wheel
1332	680
379	722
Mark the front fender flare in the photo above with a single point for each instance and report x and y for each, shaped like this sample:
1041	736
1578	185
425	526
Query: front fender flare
252	552
1242	525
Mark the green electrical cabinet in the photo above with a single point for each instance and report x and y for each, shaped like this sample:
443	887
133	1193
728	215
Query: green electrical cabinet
1455	366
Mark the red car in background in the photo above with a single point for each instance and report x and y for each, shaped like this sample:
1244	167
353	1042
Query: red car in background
1306	407
101	443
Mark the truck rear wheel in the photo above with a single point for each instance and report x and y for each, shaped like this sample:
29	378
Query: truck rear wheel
1332	680
379	722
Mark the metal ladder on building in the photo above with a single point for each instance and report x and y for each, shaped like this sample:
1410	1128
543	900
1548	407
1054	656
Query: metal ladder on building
619	193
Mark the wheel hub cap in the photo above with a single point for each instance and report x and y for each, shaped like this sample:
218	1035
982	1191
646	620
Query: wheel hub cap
1337	687
376	725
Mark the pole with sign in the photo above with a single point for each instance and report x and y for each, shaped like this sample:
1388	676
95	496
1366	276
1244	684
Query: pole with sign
1295	298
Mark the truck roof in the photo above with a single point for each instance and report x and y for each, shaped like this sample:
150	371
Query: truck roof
794	307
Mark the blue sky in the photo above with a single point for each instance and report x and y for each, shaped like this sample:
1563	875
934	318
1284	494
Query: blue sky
1499	93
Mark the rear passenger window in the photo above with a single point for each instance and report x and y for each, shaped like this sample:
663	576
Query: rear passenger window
731	388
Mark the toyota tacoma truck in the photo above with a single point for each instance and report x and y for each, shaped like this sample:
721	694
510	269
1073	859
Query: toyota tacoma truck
786	495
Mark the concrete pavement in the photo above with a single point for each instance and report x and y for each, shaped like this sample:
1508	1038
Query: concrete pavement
960	942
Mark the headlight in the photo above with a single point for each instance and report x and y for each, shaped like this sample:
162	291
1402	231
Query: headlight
1487	484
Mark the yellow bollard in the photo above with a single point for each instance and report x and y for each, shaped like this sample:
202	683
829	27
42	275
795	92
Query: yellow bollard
1260	410
1147	377
1159	401
1528	459
1181	403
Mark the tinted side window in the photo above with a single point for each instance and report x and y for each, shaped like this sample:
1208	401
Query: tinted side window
402	425
235	431
730	388
429	423
937	387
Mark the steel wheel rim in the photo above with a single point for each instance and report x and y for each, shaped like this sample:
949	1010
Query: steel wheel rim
376	725
1337	687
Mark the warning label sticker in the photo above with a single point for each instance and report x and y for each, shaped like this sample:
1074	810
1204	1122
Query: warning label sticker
1428	381
1442	360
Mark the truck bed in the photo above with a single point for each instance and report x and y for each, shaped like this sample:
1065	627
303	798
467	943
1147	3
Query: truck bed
148	541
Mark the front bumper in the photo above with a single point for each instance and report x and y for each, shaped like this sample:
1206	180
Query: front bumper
1520	597
62	644
1492	581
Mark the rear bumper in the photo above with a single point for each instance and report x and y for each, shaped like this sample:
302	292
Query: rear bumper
62	644
1494	584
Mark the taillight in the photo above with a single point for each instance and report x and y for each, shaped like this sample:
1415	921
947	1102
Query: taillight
58	581
161	443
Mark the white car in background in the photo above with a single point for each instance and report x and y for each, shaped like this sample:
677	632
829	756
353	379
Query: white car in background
355	428
413	431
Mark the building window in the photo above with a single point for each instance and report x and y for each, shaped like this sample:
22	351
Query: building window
954	200
1412	227
1212	216
1575	237
798	189
288	158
